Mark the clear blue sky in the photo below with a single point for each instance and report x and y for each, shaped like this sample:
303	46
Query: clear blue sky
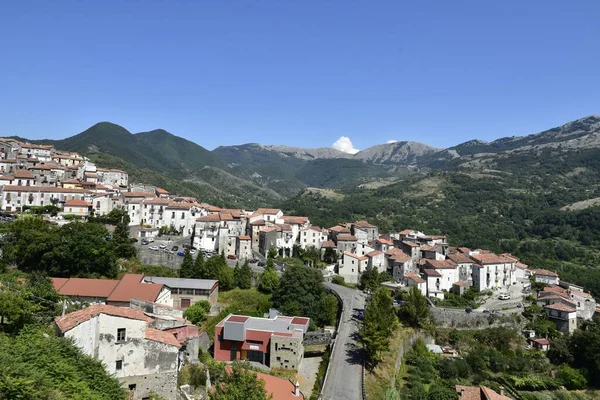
299	73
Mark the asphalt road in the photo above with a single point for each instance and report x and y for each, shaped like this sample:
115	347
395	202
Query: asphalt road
344	381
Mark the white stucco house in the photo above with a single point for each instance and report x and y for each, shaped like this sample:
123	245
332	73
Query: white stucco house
546	276
351	266
143	358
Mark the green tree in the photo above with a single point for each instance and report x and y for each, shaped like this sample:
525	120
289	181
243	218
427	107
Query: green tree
240	384
415	312
300	291
37	366
15	309
245	276
329	309
200	271
122	245
272	253
441	392
330	256
379	322
584	345
571	378
369	280
187	269
391	394
197	312
269	280
217	268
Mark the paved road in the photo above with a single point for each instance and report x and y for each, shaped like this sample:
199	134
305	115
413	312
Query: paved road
344	381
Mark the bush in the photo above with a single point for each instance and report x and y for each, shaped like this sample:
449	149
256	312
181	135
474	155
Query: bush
338	280
570	378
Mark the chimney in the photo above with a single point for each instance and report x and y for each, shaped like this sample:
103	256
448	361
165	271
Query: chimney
462	393
297	389
501	390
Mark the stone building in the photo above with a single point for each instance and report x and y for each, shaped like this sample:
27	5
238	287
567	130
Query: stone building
144	359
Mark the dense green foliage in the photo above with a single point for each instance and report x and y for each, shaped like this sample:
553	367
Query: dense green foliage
75	249
269	280
240	384
242	276
197	312
301	292
379	323
33	366
415	310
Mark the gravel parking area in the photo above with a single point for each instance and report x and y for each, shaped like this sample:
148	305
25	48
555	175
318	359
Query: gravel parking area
307	374
495	304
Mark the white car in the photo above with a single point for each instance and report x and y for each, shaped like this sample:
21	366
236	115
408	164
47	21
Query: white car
150	240
163	246
504	296
192	251
153	248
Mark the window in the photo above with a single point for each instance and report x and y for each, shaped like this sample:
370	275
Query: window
119	365
173	214
278	358
132	387
182	215
185	303
120	335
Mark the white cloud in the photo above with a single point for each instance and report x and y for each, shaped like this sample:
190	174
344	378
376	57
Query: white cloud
345	144
392	141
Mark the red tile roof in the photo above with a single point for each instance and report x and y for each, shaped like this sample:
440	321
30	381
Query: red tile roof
460	283
75	318
77	203
521	265
162	337
374	253
464	250
431	272
356	256
414	277
441	264
490	258
385	241
262	211
406	231
410	244
131	287
276	387
346	238
364	224
58	282
545	272
245	237
460	258
561	307
328	244
209	218
161	191
295	220
339	229
83	287
541	341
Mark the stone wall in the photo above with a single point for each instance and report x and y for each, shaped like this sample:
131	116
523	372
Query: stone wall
450	318
286	352
163	384
316	338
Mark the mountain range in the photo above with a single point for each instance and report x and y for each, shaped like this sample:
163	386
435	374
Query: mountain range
254	174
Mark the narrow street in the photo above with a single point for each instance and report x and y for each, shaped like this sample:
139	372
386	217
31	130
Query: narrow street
344	381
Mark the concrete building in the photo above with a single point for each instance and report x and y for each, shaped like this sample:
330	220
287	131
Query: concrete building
351	266
244	247
546	276
434	283
414	280
275	342
346	242
563	315
13	198
78	208
491	271
143	358
377	260
371	232
186	292
112	177
312	236
448	271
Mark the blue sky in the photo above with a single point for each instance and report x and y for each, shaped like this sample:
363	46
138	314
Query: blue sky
301	73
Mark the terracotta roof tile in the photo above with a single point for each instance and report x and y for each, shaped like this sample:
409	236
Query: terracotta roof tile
295	220
490	258
460	258
410	244
83	287
75	318
431	272
58	282
406	231
414	277
131	287
374	253
77	203
328	244
364	224
162	337
441	264
262	211
560	307
545	272
346	238
356	256
245	237
385	241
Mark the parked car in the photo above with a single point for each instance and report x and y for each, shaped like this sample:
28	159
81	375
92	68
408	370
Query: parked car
145	242
174	248
519	305
468	310
163	246
485	311
232	257
133	240
192	251
253	261
153	248
181	253
261	263
168	251
504	296
151	240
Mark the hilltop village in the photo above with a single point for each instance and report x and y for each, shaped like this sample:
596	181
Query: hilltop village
144	314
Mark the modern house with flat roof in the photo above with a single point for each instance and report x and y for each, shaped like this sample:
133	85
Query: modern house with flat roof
274	342
186	292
